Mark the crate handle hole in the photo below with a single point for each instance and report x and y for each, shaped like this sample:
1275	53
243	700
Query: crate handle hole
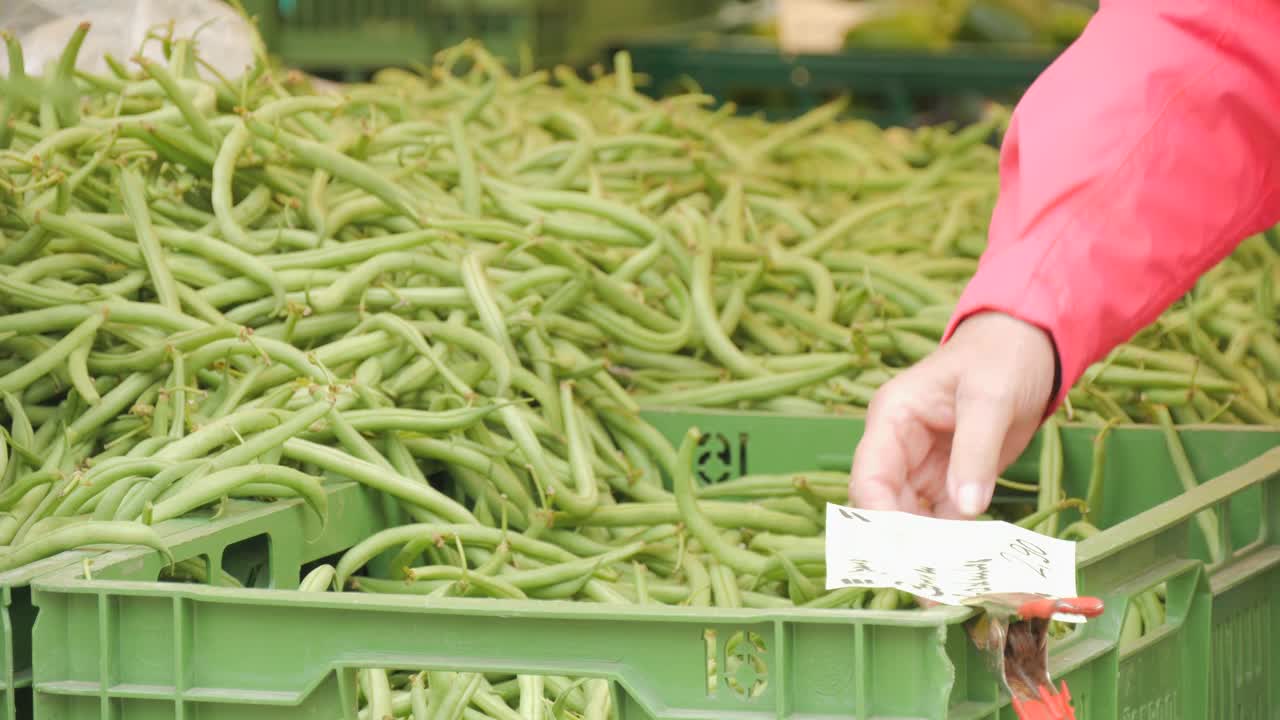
249	561
198	569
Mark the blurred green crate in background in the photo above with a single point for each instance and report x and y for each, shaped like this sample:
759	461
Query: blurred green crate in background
889	87
355	38
352	38
677	45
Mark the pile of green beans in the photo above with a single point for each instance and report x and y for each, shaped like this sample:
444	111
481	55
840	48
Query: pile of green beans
459	287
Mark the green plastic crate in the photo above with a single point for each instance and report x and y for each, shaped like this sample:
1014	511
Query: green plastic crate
895	86
17	615
355	37
121	646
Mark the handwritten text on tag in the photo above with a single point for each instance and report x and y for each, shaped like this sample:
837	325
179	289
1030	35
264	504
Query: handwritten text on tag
946	561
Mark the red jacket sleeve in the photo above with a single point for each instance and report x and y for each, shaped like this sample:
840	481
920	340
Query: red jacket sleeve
1135	162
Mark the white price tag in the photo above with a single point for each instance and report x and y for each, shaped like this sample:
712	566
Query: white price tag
946	561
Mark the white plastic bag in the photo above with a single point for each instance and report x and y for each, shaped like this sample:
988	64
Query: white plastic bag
119	28
817	26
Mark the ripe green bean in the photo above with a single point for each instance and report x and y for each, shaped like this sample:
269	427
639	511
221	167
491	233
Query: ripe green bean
584	480
468	179
724	589
194	117
152	254
1050	485
708	324
340	166
729	393
361	553
570	570
1208	520
44	363
766	486
362	276
724	514
702	528
339	463
81	535
491	586
217	484
486	305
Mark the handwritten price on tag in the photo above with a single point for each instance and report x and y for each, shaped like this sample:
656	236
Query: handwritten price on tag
1027	553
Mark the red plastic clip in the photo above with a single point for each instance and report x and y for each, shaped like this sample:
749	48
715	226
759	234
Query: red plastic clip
1048	707
1046	608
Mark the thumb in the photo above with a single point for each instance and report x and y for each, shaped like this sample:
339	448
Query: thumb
983	420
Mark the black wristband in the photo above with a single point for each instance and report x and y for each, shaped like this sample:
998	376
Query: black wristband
1057	371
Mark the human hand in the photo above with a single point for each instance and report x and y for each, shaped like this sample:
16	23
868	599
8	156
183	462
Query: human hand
938	434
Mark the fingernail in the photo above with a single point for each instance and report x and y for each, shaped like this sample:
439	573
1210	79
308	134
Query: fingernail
970	499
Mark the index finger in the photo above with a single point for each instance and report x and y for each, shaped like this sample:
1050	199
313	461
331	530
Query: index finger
891	446
879	472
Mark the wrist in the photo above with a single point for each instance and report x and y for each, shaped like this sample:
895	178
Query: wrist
1021	339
